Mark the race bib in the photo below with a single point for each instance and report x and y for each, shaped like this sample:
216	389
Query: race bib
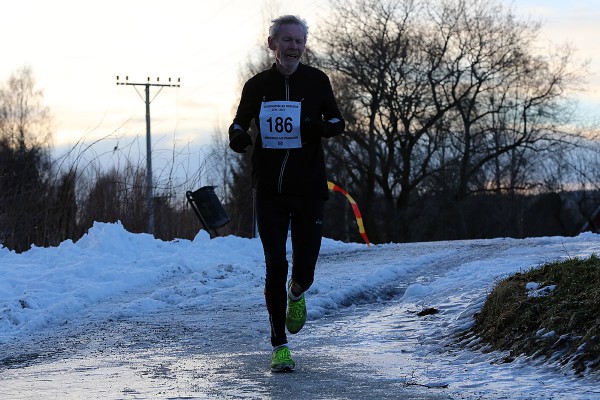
280	124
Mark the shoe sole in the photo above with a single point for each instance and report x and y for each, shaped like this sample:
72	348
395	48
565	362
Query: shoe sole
286	368
293	332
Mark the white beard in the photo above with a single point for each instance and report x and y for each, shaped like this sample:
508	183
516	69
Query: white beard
288	66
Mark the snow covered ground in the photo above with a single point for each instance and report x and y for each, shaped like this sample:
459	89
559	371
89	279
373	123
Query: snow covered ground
362	307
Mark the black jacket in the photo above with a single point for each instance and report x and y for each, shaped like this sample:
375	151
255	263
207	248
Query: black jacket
298	171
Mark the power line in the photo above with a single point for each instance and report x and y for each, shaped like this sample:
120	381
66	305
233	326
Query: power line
149	194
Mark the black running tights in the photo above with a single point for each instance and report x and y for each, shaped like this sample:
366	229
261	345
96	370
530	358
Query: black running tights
303	216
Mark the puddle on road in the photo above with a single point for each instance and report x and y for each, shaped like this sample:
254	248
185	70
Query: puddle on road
238	375
144	375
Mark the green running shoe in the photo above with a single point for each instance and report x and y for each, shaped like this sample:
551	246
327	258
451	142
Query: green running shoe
296	314
281	360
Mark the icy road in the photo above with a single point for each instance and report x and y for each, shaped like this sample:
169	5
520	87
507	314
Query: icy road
124	316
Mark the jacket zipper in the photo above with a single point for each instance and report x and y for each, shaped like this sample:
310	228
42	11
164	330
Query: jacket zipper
287	152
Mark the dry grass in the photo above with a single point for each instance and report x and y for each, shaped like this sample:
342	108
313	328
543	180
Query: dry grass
562	326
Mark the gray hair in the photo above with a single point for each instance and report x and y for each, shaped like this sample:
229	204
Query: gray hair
287	20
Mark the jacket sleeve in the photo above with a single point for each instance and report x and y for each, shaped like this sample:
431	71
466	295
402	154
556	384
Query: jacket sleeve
334	123
247	108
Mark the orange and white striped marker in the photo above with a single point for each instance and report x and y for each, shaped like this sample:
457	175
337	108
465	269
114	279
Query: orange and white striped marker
359	221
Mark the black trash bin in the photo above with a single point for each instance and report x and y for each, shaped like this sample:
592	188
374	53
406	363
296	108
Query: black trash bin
208	209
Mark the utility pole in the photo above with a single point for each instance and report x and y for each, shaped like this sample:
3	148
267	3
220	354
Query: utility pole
149	194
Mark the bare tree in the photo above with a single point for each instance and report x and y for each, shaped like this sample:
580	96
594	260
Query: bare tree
24	161
512	106
443	96
397	74
24	120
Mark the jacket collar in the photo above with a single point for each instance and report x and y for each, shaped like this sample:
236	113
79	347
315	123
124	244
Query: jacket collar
300	67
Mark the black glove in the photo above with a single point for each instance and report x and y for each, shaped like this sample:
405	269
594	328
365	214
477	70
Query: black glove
334	127
313	125
238	139
325	129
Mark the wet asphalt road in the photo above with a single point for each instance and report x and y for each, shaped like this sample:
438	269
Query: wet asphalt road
170	356
217	352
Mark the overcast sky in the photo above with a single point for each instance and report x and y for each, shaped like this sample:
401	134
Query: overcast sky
77	48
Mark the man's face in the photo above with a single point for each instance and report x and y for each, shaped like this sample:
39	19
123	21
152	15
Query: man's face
288	46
